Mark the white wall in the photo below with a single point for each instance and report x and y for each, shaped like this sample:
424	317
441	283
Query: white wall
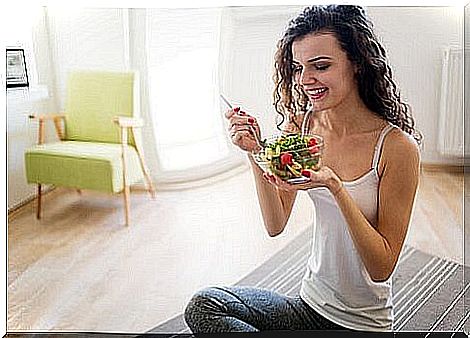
415	38
251	35
93	38
21	134
20	102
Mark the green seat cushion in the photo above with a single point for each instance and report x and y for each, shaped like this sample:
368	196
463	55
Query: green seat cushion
82	165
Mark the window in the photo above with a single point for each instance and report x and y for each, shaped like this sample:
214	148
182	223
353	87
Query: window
183	54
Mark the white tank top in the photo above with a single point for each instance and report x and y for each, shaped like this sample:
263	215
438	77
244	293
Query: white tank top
336	283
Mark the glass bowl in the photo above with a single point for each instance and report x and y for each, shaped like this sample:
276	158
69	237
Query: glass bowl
287	155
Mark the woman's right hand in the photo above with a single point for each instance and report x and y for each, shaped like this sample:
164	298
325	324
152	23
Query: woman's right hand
241	128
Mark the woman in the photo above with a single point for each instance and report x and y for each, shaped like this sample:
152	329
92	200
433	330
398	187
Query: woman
332	77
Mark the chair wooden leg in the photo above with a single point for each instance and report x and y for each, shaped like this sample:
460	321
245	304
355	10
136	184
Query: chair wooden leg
150	186
138	148
38	211
145	170
124	174
127	206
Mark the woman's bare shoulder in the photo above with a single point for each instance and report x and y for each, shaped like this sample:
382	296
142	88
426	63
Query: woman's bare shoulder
400	149
399	140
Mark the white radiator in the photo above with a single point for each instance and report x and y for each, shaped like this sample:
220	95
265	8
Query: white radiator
451	130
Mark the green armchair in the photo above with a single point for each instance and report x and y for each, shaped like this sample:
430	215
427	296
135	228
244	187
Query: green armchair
100	144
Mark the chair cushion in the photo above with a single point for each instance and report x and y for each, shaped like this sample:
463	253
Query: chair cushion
82	165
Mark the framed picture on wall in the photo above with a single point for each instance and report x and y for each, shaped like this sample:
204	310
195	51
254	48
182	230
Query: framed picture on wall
17	73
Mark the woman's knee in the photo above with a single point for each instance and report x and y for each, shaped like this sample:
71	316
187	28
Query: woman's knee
202	302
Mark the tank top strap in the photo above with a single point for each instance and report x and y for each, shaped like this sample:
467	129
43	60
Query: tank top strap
305	122
379	145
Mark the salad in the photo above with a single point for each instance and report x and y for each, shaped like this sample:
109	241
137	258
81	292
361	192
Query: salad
286	156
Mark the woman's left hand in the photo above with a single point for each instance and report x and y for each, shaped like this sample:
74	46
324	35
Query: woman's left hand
324	177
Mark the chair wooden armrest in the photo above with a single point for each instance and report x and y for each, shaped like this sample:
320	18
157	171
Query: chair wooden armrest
129	122
126	123
57	118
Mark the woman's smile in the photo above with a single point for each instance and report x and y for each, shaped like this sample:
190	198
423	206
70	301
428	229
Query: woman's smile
317	94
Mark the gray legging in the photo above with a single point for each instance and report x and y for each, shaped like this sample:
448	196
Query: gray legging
244	309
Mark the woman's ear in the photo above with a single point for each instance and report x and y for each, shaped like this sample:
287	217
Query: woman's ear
356	71
355	68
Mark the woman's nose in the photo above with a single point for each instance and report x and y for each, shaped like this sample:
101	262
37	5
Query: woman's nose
307	77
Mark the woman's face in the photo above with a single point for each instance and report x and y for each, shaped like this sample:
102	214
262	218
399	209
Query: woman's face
324	71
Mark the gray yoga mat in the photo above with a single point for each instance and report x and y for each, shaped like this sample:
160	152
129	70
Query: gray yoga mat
428	292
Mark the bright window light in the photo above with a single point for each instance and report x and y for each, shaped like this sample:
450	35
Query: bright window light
183	64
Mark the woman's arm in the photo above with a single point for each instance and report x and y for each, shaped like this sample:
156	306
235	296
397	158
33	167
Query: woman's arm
380	247
276	205
276	200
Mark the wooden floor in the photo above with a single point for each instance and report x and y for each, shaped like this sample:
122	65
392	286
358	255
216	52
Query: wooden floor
80	269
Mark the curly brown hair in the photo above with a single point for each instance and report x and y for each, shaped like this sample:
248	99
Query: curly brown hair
355	34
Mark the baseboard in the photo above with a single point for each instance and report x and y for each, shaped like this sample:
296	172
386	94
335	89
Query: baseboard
28	200
454	168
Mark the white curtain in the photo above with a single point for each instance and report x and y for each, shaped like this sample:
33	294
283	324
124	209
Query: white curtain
183	71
